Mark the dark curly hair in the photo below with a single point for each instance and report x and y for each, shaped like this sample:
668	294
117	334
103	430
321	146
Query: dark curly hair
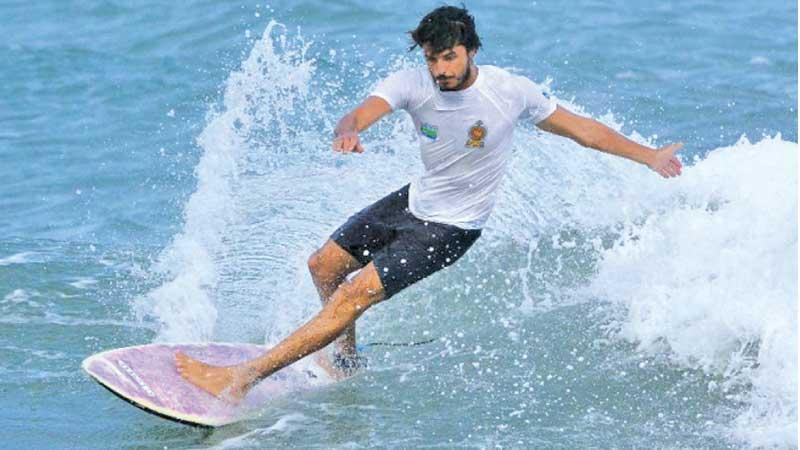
444	28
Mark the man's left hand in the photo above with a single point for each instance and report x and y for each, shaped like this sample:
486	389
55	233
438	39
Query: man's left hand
665	163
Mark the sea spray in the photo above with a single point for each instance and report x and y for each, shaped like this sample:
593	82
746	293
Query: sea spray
270	191
184	306
711	280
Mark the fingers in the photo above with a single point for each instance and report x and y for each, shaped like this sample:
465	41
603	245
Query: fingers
669	170
676	165
339	144
669	165
671	148
347	144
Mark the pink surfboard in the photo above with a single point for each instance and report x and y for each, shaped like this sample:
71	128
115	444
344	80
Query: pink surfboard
146	377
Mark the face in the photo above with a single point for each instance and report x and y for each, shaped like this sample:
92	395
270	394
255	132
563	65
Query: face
451	68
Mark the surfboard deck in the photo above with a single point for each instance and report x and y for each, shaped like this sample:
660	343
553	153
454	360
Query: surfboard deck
146	377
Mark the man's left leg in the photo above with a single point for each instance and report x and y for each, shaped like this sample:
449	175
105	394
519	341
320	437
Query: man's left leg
350	300
329	267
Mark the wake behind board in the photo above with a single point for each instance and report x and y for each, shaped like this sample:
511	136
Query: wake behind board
146	377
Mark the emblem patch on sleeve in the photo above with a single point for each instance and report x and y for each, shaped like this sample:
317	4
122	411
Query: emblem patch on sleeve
477	133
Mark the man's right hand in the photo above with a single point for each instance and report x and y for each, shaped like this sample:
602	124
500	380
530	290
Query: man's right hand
347	142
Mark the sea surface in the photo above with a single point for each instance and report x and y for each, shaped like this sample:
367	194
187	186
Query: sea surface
165	173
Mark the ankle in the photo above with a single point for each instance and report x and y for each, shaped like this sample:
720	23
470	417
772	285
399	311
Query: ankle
344	347
349	364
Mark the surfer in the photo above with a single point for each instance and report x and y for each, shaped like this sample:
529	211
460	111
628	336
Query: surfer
464	115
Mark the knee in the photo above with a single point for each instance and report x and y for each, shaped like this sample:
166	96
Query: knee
320	270
350	301
314	263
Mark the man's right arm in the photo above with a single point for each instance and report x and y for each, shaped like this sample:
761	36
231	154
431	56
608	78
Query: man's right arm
346	134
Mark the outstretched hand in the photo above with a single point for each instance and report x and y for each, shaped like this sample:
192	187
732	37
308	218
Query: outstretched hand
347	142
664	161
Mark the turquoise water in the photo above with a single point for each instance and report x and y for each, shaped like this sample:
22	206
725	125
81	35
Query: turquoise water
166	173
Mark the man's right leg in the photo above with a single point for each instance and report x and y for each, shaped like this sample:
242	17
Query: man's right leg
346	305
329	267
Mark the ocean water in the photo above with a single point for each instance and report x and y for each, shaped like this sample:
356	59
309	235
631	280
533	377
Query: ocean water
166	173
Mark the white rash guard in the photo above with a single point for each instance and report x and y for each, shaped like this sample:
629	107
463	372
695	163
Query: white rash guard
465	138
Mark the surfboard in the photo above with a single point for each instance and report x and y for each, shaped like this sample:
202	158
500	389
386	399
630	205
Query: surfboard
145	376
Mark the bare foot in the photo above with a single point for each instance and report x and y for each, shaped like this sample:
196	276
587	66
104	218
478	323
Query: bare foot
226	383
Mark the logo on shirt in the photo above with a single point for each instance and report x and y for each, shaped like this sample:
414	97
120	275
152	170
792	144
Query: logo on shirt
477	133
429	131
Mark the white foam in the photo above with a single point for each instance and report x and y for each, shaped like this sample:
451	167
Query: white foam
626	75
83	283
713	278
694	268
269	190
17	296
17	258
44	354
22	296
284	425
59	319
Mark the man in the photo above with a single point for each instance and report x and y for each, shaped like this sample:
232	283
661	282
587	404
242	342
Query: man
465	115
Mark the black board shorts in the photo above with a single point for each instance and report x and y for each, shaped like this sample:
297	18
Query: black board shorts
405	249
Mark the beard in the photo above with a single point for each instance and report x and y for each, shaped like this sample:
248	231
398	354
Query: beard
460	81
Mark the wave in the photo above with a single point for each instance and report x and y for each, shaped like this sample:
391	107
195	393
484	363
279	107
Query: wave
711	279
699	268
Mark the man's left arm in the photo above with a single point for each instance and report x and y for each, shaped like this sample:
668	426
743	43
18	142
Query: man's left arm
593	134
